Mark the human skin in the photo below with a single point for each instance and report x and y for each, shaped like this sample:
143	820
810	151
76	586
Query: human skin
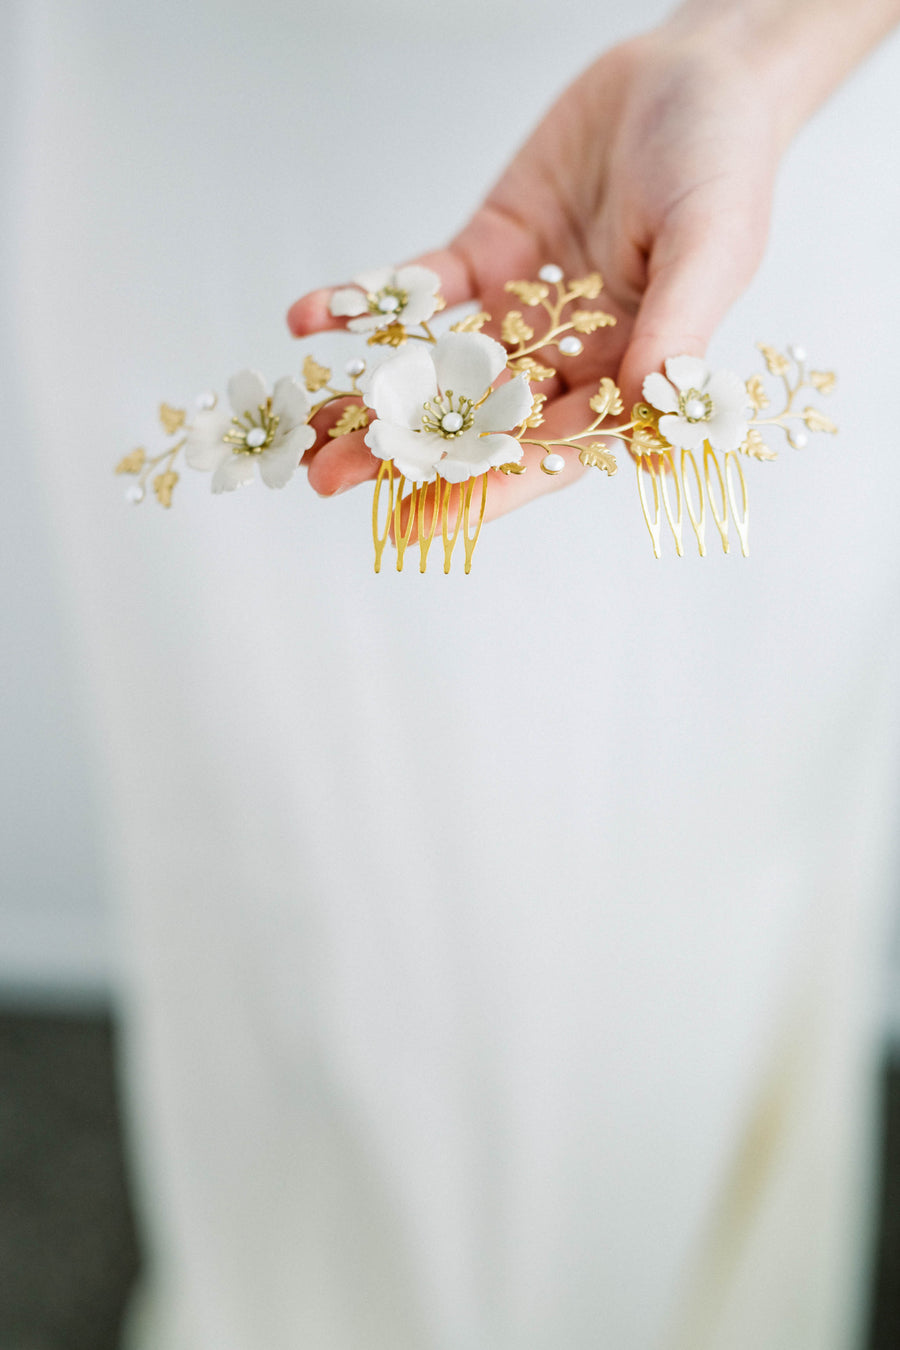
656	168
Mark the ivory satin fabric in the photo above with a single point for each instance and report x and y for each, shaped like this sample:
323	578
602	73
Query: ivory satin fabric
500	954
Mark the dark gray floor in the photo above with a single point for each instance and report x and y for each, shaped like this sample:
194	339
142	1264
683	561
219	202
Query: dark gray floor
68	1254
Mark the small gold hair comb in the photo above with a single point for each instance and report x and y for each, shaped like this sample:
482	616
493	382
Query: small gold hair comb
443	414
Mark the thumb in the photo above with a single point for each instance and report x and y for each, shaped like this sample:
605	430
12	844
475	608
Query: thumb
695	276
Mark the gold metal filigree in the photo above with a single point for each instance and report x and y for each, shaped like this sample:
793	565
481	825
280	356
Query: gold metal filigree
353	418
315	377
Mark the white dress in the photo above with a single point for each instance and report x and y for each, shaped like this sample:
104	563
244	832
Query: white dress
501	952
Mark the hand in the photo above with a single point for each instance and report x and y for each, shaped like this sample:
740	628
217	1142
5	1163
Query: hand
655	168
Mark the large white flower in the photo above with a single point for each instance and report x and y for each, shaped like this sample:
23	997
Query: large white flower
699	404
406	295
268	430
436	410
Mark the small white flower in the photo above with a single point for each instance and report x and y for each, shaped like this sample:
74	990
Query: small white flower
406	295
268	430
699	404
437	412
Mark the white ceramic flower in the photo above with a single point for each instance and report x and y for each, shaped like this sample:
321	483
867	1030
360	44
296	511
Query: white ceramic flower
265	430
386	295
699	404
438	413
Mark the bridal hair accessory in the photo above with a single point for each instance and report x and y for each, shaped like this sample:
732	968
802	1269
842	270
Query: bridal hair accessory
443	414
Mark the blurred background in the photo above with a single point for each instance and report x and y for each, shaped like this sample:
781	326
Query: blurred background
69	1252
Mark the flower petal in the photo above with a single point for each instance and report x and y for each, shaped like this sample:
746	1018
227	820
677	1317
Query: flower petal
728	392
470	455
203	444
278	463
290	402
375	279
687	372
659	393
421	285
400	387
247	390
467	363
726	432
347	300
233	472
679	432
506	407
414	452
369	322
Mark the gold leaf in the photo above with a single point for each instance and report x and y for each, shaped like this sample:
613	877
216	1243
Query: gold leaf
392	336
775	362
132	463
533	369
353	418
315	376
529	292
512	467
171	418
439	303
756	392
817	421
608	402
515	329
589	286
598	457
756	447
536	416
589	320
823	380
472	323
647	441
163	484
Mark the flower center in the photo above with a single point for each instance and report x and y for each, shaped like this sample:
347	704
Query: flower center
696	407
448	416
389	300
253	433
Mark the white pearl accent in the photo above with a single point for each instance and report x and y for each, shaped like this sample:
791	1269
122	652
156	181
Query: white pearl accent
355	368
571	346
550	272
800	439
553	464
798	353
451	421
206	401
695	407
256	438
134	495
388	304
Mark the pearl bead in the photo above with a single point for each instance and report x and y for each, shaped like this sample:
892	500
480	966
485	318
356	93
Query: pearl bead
798	353
451	421
388	304
256	438
550	272
134	495
571	346
800	439
696	408
205	402
355	367
553	464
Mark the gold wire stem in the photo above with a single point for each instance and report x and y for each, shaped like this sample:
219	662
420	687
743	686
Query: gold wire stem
470	540
425	537
402	536
645	464
448	538
380	537
332	396
720	517
675	521
697	518
742	520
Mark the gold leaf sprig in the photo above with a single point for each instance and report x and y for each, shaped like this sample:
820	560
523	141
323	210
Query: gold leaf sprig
790	369
140	465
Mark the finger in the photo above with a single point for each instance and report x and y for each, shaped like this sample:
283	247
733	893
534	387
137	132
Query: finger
342	463
695	274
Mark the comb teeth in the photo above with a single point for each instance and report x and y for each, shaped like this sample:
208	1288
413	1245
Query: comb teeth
721	487
426	507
